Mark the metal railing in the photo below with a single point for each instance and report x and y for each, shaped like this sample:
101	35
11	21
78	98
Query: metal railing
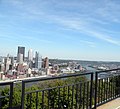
108	87
9	95
68	92
63	100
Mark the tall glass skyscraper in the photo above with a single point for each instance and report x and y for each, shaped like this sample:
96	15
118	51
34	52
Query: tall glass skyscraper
21	50
30	55
38	61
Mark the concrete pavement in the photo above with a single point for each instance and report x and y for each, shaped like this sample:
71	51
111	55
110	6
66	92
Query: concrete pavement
114	104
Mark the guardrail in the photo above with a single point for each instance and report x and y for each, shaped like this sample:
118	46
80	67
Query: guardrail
107	88
10	84
68	92
65	97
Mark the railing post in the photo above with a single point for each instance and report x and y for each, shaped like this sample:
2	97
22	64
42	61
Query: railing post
96	85
11	95
119	86
0	101
91	90
23	95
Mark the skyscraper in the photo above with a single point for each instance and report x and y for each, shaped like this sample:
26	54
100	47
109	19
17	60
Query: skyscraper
7	63
46	62
38	61
20	58
30	55
21	50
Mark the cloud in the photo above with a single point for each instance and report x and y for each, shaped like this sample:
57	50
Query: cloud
110	11
101	11
88	43
26	38
85	27
86	17
104	37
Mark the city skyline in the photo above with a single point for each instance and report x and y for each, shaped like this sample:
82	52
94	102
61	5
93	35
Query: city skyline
83	30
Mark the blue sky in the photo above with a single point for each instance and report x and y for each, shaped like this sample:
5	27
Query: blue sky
68	29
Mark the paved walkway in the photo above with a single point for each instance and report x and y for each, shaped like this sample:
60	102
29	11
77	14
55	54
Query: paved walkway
114	104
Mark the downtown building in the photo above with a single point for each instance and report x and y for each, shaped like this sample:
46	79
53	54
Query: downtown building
30	58
21	54
38	61
30	55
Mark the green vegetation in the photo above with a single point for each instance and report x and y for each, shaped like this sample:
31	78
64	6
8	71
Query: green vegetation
60	94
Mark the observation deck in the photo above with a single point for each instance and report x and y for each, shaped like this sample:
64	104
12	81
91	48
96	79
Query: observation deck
73	91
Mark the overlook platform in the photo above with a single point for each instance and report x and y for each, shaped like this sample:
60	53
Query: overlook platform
72	91
114	104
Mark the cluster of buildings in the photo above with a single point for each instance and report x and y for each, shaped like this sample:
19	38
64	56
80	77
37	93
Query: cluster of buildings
20	67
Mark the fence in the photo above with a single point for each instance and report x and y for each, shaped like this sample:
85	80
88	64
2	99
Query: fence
67	92
10	84
107	88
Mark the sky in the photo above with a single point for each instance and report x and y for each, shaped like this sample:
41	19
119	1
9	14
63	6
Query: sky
65	29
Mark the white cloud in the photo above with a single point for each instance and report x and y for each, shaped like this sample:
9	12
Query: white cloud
86	28
89	43
104	37
88	15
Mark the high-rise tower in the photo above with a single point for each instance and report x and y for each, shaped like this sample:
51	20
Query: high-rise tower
7	63
46	62
38	61
30	55
21	51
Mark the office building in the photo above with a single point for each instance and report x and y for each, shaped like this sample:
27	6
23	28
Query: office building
46	62
38	61
21	50
2	69
7	63
20	58
30	55
12	60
